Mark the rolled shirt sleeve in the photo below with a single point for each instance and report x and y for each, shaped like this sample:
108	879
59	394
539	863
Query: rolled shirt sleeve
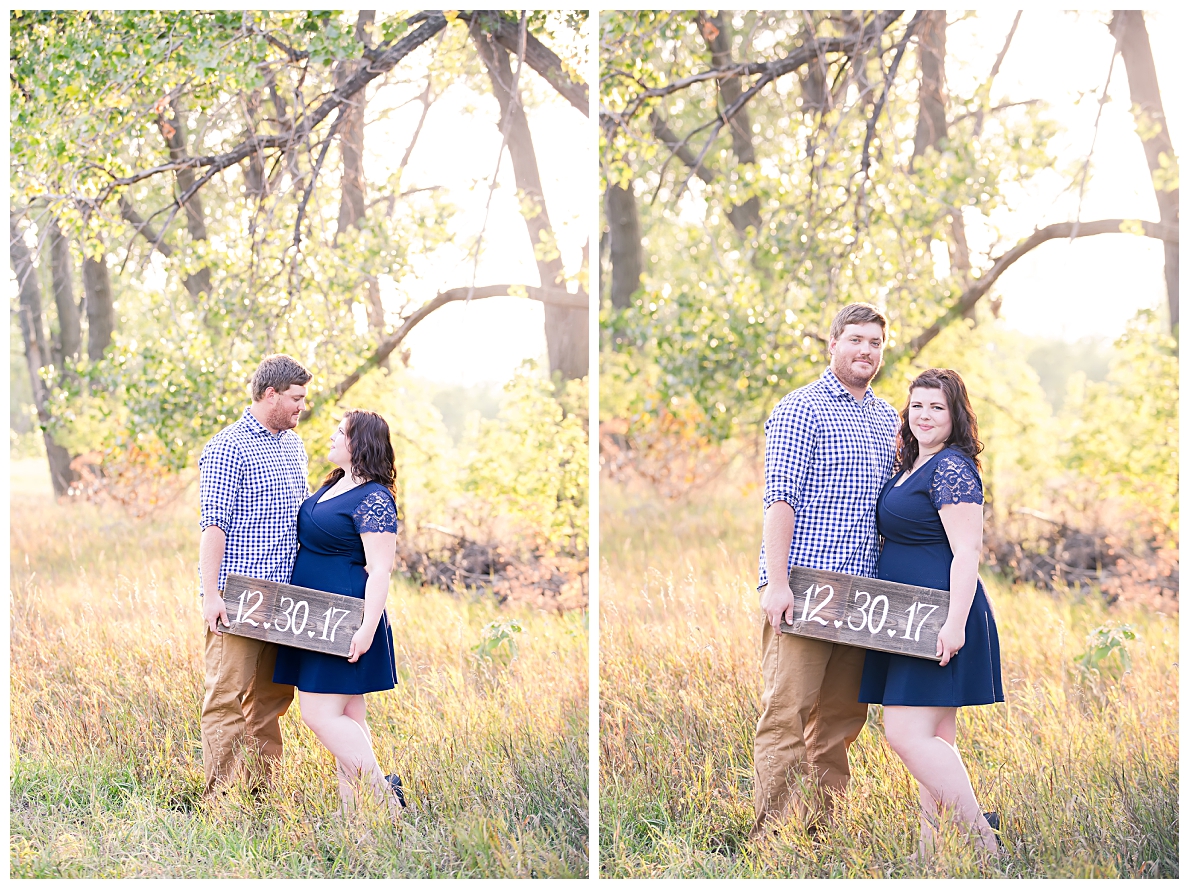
221	473
790	442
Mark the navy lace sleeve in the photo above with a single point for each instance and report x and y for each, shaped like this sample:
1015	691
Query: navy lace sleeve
376	513
955	481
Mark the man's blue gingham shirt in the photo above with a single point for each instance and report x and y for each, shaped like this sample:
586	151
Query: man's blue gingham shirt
252	483
828	457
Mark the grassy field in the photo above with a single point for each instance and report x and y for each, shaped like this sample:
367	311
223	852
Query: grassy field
106	685
1083	768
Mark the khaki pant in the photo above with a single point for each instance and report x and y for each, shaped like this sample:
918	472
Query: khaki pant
811	715
242	709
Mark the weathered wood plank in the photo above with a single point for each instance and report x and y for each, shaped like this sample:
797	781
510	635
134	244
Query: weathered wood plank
867	613
292	615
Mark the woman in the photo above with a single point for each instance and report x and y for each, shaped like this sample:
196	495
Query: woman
346	532
931	518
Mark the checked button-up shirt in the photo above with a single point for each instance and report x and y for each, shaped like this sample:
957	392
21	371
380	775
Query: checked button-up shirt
251	484
828	456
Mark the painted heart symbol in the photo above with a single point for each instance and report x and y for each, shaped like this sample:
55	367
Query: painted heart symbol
891	632
837	623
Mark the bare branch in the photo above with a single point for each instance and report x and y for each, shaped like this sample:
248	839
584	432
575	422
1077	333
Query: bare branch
798	58
537	55
975	292
305	198
887	88
143	228
458	294
1097	120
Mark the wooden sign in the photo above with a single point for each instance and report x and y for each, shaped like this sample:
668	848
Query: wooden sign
867	613
291	615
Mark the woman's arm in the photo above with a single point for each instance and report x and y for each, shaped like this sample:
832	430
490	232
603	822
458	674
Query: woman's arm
380	549
963	523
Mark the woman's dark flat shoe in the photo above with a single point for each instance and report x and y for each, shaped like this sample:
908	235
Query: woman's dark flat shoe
993	821
394	783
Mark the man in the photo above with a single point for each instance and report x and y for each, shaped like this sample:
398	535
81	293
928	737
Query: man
253	480
830	448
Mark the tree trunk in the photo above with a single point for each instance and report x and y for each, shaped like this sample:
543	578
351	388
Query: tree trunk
352	200
567	332
627	256
175	138
716	31
933	126
1132	36
33	336
931	123
70	337
255	181
101	312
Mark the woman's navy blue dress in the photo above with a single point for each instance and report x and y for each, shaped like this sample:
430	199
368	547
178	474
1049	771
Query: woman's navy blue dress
917	551
330	557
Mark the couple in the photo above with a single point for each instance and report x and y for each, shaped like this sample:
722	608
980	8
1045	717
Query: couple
836	480
259	520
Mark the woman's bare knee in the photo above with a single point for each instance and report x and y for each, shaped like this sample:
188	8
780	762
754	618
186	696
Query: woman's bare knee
899	733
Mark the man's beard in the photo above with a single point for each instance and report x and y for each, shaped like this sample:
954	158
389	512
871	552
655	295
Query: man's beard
282	419
848	377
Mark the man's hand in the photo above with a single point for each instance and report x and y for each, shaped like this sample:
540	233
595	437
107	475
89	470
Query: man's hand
211	546
213	608
777	601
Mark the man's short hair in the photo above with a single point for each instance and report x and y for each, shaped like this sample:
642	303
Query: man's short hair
278	372
857	313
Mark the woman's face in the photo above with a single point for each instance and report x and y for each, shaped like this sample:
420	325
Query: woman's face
340	447
929	419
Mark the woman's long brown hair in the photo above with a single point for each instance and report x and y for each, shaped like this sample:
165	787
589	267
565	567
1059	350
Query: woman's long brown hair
963	435
372	458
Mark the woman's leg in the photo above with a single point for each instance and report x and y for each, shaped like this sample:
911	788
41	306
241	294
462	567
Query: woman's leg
356	709
947	730
923	737
341	734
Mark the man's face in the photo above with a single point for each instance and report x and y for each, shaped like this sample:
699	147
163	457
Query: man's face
856	355
284	408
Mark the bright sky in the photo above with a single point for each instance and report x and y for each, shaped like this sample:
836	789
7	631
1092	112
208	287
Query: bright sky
487	339
1092	286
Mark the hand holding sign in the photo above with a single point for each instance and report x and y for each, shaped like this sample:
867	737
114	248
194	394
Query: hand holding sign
778	602
292	615
870	613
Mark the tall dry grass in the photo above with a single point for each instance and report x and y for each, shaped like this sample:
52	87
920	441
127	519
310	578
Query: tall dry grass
1082	767
106	685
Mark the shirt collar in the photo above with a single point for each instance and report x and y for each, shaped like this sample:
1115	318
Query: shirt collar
836	387
255	427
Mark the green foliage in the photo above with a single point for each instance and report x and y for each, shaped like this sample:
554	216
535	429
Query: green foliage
529	465
1101	643
1123	432
1056	361
735	321
96	94
519	478
498	645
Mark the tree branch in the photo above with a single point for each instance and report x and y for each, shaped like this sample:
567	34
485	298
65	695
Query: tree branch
143	228
976	291
887	88
379	62
798	58
978	123
537	55
458	294
305	198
